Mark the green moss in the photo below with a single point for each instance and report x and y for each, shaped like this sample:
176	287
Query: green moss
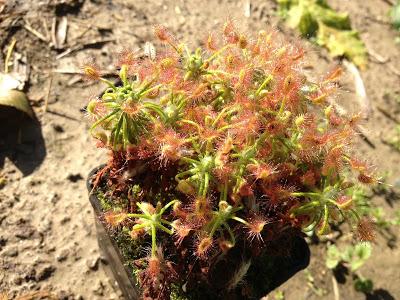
177	293
129	248
105	202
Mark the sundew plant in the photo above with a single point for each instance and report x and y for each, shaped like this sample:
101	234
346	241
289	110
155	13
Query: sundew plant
227	144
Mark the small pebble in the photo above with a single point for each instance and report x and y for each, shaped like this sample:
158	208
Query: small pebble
58	128
25	232
10	252
53	198
62	255
99	288
93	263
17	280
45	272
65	220
45	226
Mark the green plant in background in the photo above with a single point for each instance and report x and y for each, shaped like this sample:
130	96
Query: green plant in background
363	285
317	21
395	15
395	18
394	140
382	223
353	257
311	284
279	295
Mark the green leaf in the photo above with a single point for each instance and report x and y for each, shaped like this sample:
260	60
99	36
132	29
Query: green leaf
284	6
279	295
361	254
363	285
343	43
332	257
396	220
395	15
332	18
333	30
308	26
294	10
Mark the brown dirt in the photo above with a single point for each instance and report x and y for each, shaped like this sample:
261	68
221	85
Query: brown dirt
47	237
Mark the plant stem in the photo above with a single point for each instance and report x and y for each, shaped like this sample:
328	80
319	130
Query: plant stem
206	183
265	82
325	221
163	228
240	220
233	240
153	241
108	82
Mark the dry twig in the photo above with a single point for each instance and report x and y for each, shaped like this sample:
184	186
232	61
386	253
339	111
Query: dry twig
56	113
40	36
360	88
390	2
53	31
83	32
82	46
335	288
247	9
46	28
8	55
377	57
388	114
394	70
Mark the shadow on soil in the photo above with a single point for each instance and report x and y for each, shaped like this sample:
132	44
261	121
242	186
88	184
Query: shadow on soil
379	294
21	140
341	272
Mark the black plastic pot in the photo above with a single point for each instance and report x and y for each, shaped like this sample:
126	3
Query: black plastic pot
114	266
267	272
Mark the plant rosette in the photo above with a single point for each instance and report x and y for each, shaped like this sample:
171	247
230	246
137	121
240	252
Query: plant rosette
219	157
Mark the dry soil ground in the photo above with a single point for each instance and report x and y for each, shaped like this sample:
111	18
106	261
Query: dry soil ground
47	236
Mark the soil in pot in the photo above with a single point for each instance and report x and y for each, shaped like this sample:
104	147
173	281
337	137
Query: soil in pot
240	273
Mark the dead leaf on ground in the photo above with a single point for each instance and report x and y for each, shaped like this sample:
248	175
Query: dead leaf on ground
10	96
59	32
17	100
